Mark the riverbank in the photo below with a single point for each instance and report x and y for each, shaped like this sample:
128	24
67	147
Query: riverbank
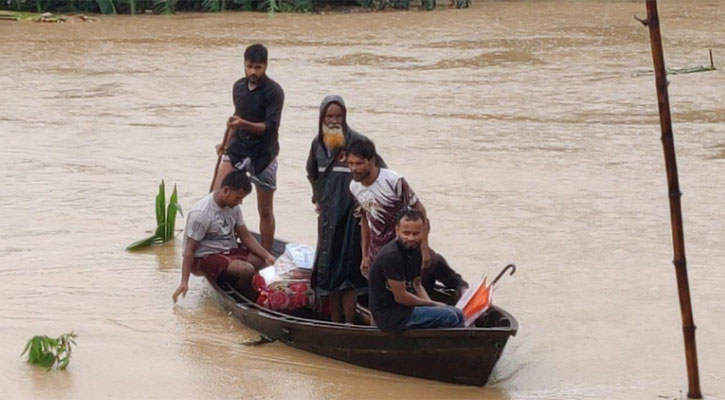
165	7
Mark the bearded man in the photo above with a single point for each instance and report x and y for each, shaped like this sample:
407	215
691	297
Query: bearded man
336	274
398	300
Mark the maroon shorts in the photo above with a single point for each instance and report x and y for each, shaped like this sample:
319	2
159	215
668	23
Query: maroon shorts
214	265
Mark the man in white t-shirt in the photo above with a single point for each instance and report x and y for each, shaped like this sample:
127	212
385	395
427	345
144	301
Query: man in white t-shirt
381	193
210	239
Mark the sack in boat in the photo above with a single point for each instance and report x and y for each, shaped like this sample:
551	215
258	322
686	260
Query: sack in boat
286	284
286	296
475	301
282	294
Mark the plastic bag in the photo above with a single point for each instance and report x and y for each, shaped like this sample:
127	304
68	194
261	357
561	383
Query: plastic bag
295	263
286	284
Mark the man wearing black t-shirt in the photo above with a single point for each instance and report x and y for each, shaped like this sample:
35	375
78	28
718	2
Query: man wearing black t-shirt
398	300
254	144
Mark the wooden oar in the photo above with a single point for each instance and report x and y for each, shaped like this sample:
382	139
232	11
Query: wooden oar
219	158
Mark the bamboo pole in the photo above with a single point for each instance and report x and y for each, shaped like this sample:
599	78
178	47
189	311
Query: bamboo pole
678	240
712	63
227	132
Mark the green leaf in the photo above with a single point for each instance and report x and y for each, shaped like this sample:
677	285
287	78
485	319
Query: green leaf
35	349
27	347
142	243
171	215
268	5
46	360
164	6
161	231
211	5
160	202
304	5
245	5
106	6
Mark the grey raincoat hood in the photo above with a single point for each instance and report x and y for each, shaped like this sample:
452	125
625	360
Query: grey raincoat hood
326	102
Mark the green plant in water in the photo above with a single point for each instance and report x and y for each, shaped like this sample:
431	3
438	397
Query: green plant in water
48	352
165	220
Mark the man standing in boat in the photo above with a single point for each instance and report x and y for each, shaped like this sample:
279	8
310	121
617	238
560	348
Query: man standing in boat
398	300
210	239
336	273
381	194
254	144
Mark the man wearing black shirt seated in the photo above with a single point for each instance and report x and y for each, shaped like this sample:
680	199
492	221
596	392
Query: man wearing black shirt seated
398	300
254	144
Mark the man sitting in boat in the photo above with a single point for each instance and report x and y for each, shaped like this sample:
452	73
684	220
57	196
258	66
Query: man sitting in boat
398	300
210	244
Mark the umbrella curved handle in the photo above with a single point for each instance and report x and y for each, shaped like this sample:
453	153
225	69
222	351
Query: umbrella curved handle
500	274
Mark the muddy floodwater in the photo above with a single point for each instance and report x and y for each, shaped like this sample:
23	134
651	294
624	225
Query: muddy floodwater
529	130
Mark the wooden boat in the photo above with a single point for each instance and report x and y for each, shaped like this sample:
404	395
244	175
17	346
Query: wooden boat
461	355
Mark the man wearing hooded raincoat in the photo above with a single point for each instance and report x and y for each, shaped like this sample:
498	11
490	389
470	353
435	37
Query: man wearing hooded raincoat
336	273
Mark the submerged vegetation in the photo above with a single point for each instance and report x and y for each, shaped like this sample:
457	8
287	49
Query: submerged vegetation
165	220
172	6
697	68
44	17
48	352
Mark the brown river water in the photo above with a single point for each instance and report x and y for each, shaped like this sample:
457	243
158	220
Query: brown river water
529	129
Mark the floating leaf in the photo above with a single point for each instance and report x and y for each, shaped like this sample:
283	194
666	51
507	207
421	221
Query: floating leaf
48	352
